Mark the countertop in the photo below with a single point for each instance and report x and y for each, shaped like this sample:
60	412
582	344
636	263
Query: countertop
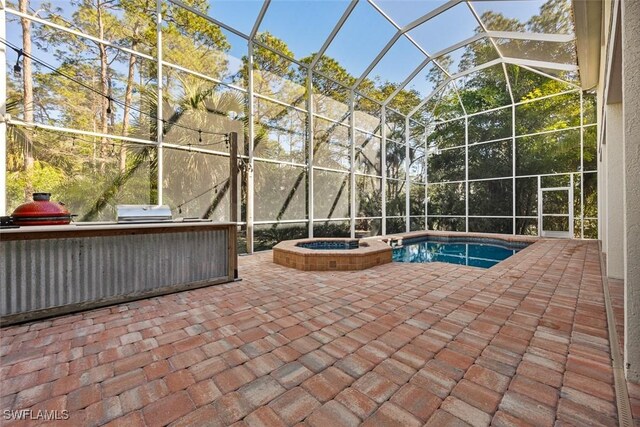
90	229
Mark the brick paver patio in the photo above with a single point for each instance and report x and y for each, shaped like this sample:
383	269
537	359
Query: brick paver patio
523	343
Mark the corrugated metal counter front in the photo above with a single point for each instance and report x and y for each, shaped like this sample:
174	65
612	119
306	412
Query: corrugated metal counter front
51	270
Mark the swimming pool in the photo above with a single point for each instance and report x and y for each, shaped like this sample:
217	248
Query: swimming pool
483	253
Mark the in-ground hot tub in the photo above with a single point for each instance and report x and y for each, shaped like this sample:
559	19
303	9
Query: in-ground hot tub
331	254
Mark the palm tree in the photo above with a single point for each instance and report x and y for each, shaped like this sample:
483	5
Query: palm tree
200	107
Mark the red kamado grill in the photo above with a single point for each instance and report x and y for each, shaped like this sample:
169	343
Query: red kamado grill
42	211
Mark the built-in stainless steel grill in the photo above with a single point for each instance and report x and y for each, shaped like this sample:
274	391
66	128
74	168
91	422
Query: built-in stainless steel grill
143	213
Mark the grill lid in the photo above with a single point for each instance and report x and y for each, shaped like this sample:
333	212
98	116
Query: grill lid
143	213
41	211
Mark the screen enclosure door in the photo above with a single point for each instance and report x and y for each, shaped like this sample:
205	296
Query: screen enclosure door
556	211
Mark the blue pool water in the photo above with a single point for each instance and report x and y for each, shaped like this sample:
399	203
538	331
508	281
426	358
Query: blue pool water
471	253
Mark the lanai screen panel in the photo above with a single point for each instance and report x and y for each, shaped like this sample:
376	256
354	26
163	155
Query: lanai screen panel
354	118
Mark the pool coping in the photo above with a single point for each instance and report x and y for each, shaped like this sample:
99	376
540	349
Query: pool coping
488	237
509	238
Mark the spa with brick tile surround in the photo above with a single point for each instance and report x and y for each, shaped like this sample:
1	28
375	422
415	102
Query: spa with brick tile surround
522	343
366	254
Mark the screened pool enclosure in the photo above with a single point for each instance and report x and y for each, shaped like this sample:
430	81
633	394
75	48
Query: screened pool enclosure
354	118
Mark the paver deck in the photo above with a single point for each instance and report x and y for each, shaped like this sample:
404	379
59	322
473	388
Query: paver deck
522	343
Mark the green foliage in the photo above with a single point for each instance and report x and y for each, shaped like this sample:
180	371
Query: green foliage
446	199
557	151
265	237
368	196
44	177
491	225
396	225
332	68
396	201
332	229
404	101
491	198
93	182
272	72
416	200
485	90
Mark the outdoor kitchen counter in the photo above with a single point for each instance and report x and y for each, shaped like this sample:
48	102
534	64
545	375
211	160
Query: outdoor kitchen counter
55	269
88	229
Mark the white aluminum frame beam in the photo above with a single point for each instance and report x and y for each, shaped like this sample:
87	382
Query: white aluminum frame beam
334	32
251	134
209	18
401	32
383	166
431	95
159	113
495	46
549	76
259	18
435	12
407	176
352	169
3	111
76	33
431	58
377	59
542	37
311	142
408	80
541	64
506	60
466	173
455	89
491	35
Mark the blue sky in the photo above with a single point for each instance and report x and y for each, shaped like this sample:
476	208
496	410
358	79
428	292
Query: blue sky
305	24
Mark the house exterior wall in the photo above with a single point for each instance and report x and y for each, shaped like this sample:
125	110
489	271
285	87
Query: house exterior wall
613	192
631	129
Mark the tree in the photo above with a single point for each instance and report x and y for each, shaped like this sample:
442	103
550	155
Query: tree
137	18
556	152
121	99
27	99
129	84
